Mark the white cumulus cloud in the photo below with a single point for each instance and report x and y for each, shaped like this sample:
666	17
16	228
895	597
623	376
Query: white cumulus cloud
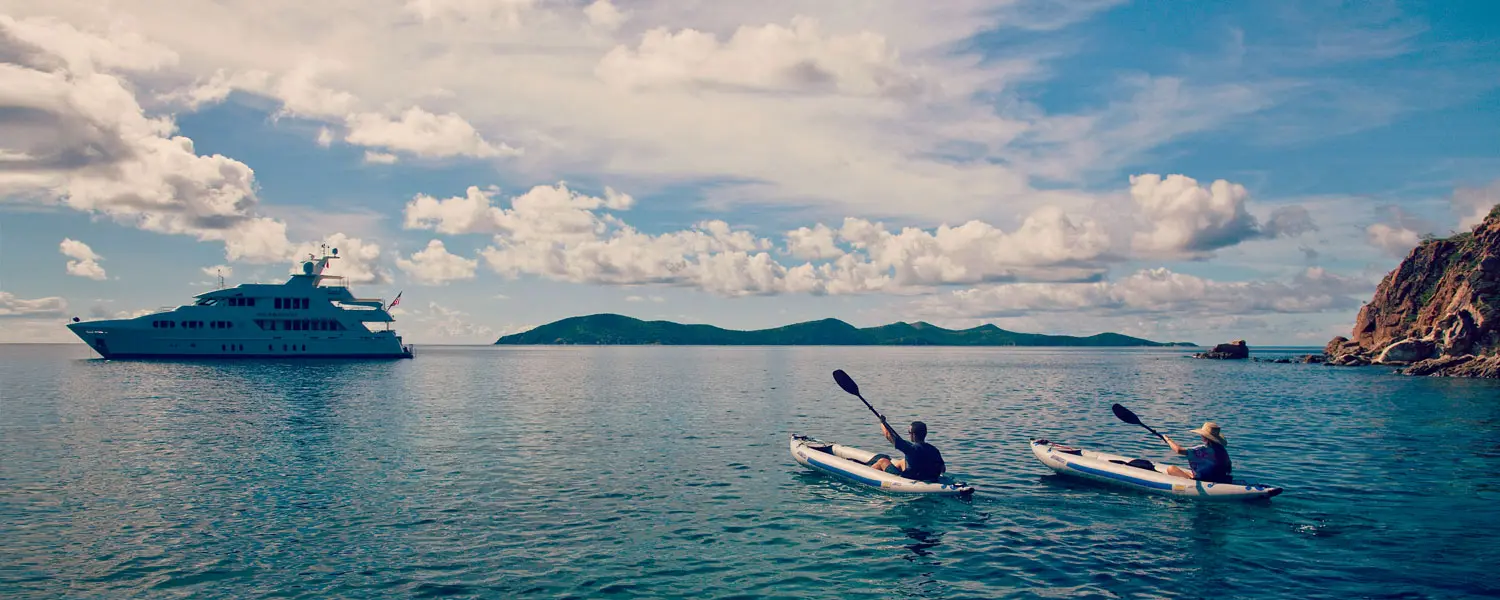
435	265
380	158
1398	231
1187	219
507	14
13	307
769	57
604	15
1157	291
816	243
424	134
1474	204
85	262
72	130
561	234
1394	240
544	211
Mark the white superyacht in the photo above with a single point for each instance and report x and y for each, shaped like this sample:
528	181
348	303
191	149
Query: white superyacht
303	317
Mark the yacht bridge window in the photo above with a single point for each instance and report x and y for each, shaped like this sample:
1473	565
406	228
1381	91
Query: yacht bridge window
300	325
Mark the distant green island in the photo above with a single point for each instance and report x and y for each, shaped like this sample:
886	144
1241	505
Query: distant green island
613	329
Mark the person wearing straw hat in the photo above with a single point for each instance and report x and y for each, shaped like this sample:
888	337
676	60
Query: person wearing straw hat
1208	461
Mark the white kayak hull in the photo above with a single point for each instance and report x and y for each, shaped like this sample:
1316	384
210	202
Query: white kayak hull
1097	466
848	463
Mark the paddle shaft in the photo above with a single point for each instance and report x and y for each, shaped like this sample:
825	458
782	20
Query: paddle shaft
872	409
1153	432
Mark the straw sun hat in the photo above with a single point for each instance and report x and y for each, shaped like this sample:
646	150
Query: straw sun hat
1210	430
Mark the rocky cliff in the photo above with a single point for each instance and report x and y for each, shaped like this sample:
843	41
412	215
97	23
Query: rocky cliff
1439	311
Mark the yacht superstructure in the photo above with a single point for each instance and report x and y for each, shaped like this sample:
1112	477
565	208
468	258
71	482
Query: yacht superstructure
311	315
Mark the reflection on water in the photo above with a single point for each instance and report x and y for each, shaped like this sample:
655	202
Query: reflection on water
588	472
924	540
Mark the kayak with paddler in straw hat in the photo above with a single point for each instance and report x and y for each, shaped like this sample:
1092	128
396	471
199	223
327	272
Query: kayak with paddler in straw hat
1207	476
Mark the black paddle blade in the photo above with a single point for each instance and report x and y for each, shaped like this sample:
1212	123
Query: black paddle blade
1125	415
845	382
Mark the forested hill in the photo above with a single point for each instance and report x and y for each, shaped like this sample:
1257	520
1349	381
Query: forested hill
612	329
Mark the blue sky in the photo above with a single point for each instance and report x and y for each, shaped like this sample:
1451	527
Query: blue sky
1180	171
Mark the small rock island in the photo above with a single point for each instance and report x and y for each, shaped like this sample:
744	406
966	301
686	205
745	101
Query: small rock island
1235	350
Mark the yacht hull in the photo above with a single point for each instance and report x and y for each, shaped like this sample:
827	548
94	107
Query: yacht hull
125	343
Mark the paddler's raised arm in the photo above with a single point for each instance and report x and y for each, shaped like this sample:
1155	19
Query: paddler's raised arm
1175	447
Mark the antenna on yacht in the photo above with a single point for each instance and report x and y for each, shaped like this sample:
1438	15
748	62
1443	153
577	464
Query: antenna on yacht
221	277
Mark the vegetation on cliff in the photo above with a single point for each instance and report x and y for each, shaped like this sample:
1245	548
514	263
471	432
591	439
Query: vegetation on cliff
623	330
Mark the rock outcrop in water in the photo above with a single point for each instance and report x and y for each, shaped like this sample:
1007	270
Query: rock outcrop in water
1438	312
1231	351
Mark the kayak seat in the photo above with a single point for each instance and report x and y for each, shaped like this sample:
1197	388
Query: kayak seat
1139	463
1058	447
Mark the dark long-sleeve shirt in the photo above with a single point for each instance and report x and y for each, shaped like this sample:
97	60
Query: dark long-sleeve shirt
923	461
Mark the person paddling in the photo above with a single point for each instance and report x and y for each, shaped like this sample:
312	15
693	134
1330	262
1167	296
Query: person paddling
923	461
1208	461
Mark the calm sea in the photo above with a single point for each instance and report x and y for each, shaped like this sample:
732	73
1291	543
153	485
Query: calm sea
664	472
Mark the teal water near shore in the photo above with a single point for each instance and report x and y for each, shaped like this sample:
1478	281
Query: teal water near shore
664	472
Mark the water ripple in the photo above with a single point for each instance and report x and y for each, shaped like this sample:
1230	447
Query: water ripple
630	472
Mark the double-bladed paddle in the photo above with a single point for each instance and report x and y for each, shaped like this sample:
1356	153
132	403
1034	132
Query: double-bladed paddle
849	386
1125	415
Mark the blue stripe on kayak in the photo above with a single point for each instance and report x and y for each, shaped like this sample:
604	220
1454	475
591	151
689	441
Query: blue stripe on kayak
851	475
1119	476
